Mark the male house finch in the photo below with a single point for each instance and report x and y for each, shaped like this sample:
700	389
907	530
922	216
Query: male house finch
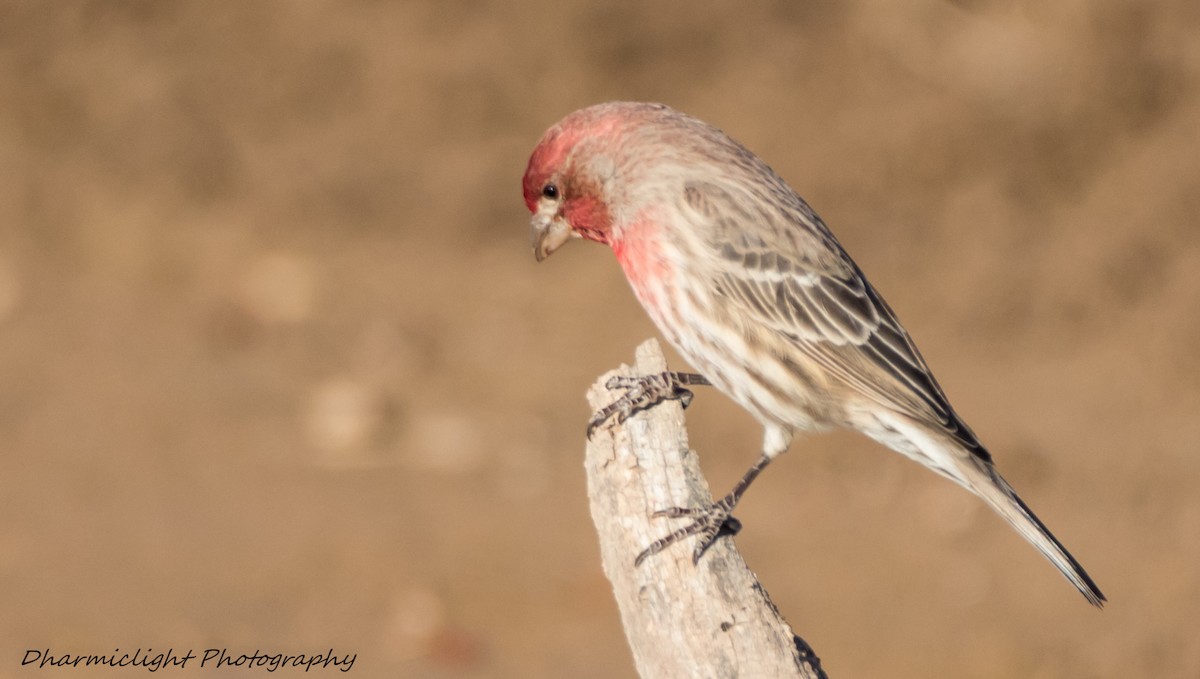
750	286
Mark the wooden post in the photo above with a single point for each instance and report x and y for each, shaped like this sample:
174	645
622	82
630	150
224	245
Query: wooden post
681	620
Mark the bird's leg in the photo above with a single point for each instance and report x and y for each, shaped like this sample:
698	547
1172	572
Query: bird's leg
708	521
642	392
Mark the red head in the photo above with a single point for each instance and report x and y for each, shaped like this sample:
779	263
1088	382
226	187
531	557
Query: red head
568	184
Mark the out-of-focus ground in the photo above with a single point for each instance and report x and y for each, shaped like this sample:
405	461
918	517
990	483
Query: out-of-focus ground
278	371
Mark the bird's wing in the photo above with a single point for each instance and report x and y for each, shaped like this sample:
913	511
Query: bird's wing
777	262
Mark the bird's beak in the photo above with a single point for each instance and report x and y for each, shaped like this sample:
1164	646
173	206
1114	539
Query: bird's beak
547	235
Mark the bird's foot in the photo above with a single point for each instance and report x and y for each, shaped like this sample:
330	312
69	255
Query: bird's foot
709	522
642	392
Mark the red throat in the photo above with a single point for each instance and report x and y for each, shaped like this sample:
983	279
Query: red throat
640	254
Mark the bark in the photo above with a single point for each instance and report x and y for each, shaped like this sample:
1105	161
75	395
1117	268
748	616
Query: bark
682	620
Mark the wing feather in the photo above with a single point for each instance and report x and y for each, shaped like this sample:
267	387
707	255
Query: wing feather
791	275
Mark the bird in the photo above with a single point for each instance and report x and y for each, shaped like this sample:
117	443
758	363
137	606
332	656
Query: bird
751	287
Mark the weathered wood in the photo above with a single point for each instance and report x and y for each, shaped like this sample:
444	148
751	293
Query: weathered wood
681	620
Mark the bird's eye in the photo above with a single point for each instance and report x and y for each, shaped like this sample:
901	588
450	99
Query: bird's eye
550	191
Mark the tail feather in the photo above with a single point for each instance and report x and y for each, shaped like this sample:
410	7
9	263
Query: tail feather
987	483
975	472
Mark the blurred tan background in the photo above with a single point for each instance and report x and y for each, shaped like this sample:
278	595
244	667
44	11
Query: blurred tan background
278	371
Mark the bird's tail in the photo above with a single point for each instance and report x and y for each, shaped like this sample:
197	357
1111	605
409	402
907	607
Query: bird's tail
981	478
974	470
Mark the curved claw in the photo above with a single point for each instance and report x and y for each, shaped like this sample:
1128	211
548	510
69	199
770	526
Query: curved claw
621	381
685	397
711	522
598	418
644	391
